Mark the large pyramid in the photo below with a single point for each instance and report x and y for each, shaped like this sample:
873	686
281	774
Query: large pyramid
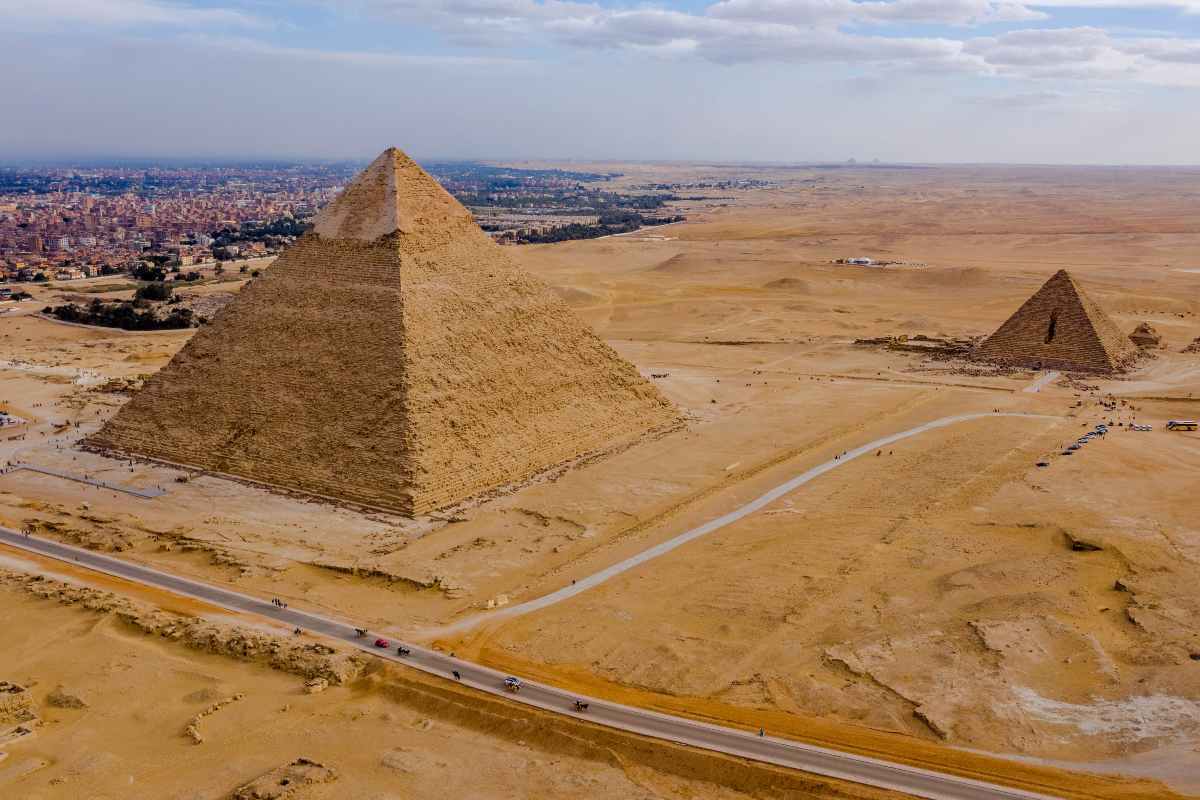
394	356
1059	328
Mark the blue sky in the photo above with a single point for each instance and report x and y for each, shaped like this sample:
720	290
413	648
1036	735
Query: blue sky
1084	81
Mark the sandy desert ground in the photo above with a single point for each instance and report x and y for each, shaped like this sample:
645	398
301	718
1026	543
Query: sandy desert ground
945	601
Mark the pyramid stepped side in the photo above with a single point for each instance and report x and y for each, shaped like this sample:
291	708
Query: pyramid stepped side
504	379
1120	349
298	383
1085	338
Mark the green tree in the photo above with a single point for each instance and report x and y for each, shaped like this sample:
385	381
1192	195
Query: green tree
154	291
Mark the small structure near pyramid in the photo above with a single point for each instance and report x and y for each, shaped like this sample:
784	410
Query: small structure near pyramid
1145	337
394	356
1059	327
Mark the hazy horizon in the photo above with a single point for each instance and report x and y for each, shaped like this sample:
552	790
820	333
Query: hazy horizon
233	160
1003	82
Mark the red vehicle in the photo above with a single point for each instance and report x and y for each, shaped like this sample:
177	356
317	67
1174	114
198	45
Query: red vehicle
381	643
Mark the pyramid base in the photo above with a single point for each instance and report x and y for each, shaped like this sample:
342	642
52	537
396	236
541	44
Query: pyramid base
1061	365
109	451
411	508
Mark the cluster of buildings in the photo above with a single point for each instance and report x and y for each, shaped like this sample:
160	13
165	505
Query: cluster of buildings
62	225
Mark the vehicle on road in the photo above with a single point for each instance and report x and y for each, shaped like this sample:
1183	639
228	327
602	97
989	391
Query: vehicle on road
581	706
360	632
1074	447
403	651
1182	425
512	684
382	643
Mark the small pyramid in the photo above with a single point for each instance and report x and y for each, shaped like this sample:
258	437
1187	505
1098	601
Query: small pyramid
1059	327
394	356
1145	337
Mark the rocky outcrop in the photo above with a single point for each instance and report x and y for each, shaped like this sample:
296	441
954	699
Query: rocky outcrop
1081	543
18	720
62	697
16	704
192	731
1145	337
288	780
298	656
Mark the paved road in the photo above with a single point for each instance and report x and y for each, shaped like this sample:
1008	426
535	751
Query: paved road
145	494
595	579
1037	385
831	763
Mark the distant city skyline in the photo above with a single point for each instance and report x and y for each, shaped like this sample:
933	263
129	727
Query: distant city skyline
916	81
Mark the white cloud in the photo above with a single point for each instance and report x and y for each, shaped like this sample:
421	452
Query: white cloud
1020	100
353	57
1090	54
1176	51
1190	6
122	14
804	32
822	12
823	32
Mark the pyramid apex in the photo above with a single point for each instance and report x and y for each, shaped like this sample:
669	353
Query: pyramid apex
392	195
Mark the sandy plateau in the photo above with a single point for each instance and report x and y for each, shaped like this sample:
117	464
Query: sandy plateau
944	601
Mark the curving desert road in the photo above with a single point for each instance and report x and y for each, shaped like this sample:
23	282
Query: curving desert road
831	763
781	752
597	578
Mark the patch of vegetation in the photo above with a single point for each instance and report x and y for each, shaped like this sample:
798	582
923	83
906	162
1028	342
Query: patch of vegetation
149	272
268	232
124	315
101	288
608	224
154	291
